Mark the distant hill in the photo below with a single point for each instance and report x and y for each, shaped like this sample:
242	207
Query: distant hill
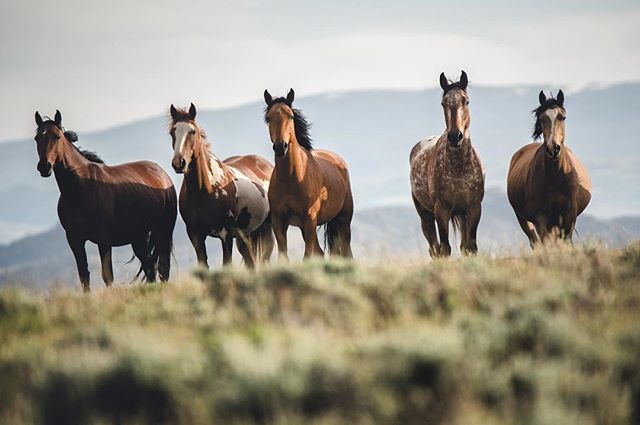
374	131
386	233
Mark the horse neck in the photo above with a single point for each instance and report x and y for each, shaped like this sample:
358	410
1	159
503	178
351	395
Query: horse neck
457	157
203	176
69	170
294	165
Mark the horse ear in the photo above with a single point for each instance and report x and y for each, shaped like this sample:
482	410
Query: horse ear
174	112
192	111
267	97
444	83
58	118
542	98
38	119
290	96
560	98
464	80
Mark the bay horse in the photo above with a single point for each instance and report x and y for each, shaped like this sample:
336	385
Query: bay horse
547	185
447	176
133	203
309	187
223	199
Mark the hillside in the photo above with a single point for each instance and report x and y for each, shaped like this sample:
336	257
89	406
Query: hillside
374	131
548	338
385	234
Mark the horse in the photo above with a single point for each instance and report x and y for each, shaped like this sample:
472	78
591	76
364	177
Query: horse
547	185
309	187
223	199
133	203
447	176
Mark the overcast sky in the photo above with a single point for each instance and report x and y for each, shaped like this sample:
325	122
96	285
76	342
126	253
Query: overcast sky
108	62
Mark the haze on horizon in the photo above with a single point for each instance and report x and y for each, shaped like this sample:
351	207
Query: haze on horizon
105	63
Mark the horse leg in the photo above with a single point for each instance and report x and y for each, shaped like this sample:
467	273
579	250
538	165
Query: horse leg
247	250
472	221
542	228
164	246
197	241
428	225
311	244
280	227
227	249
443	216
107	265
80	254
529	229
141	251
568	225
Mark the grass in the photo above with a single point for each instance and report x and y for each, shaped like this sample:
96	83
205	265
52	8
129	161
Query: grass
546	338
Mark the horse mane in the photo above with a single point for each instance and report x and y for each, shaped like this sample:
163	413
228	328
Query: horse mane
72	137
301	124
551	103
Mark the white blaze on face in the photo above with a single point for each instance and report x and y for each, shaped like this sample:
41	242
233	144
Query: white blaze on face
181	131
552	115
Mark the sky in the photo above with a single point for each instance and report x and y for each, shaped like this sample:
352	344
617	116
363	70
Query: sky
104	63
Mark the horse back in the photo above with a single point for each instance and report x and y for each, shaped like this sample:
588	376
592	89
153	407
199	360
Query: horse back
255	167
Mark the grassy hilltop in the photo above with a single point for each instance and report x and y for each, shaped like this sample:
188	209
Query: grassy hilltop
547	338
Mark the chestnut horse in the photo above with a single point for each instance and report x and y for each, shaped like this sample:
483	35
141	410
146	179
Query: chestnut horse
223	199
447	176
548	187
133	203
309	187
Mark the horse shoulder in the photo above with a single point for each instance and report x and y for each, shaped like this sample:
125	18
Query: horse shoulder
583	176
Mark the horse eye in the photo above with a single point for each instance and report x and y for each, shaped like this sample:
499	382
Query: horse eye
267	120
561	118
193	132
291	117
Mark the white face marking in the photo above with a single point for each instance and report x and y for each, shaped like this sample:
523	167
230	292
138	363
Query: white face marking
552	115
181	131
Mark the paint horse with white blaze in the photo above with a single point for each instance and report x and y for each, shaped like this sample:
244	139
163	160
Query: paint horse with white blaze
223	199
447	176
547	185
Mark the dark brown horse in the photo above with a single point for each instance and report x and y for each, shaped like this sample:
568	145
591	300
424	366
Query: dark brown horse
133	203
224	199
548	187
447	177
309	187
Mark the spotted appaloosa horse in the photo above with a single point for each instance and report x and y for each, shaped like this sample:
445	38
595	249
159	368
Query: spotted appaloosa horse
548	187
133	203
223	199
447	176
309	187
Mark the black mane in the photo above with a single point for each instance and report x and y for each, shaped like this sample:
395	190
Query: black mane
549	104
301	124
72	136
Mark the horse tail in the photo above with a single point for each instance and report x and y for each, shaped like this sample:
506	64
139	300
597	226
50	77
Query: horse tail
332	238
456	224
262	241
152	253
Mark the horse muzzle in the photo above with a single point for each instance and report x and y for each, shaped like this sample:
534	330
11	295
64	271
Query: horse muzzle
44	168
179	166
554	153
455	138
280	148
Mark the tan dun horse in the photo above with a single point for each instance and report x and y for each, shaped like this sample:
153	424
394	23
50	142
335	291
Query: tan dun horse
133	203
223	199
309	187
548	187
447	176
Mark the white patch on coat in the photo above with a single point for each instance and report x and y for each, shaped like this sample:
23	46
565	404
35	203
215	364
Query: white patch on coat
417	178
249	196
181	131
216	173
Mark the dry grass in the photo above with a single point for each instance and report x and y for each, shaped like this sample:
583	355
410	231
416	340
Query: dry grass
546	338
